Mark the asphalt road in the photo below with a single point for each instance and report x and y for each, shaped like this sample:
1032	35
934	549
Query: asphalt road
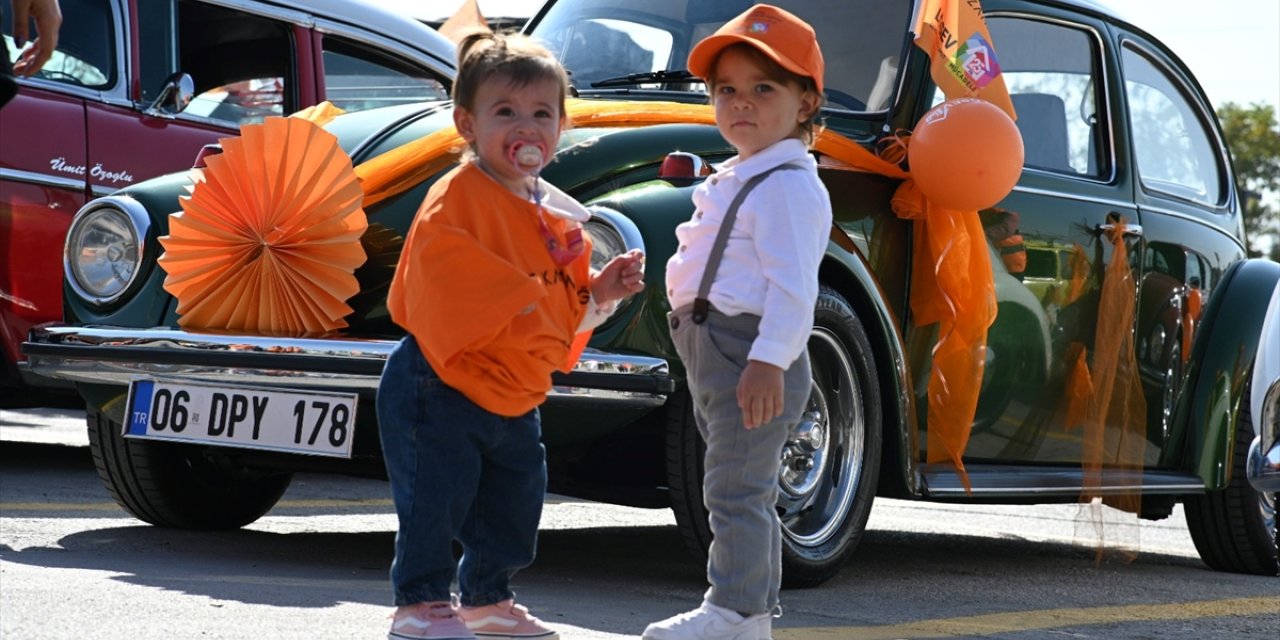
73	565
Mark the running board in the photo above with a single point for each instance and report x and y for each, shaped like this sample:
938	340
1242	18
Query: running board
941	481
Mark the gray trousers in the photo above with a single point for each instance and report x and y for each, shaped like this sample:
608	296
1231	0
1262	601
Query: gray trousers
740	487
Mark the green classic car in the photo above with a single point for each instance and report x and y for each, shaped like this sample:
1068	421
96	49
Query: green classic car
1123	157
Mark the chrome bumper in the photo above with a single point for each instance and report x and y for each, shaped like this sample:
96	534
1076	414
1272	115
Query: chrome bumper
115	355
1262	463
1263	468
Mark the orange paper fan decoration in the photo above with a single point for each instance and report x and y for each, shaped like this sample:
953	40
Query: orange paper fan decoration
269	238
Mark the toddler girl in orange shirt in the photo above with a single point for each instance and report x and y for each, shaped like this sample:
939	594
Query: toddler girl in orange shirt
495	290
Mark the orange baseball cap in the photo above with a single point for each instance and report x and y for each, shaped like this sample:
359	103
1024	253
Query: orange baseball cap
783	37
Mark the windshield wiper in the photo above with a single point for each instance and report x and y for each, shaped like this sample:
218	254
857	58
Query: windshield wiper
671	76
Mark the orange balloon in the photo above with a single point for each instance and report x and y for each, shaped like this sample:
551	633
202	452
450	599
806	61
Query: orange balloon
965	154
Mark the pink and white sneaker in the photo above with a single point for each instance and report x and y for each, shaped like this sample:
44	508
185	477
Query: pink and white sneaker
429	621
505	620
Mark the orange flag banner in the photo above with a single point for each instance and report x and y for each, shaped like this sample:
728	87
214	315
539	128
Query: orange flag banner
954	34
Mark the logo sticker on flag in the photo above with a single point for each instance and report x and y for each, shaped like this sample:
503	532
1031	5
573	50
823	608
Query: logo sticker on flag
976	61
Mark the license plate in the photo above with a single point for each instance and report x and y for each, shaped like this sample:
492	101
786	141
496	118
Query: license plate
271	419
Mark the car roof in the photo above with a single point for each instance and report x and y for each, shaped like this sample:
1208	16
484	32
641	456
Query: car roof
379	19
1096	6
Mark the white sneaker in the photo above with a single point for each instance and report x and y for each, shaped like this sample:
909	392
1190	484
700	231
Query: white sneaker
709	622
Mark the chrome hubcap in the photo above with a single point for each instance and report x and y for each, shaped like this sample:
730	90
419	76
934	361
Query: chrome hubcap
822	458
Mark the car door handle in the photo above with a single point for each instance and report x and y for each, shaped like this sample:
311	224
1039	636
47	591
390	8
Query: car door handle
1134	230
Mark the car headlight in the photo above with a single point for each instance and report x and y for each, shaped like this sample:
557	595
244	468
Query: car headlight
612	234
606	242
104	248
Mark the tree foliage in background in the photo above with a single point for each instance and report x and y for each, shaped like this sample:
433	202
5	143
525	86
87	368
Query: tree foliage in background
1254	139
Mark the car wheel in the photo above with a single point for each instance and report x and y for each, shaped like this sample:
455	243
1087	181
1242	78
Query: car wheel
830	463
1235	529
173	485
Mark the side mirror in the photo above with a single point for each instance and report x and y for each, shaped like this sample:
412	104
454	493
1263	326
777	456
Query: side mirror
175	95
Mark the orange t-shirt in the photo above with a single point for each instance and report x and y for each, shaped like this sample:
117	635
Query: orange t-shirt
478	290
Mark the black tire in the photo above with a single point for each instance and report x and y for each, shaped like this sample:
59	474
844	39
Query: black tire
1235	529
824	509
685	451
172	485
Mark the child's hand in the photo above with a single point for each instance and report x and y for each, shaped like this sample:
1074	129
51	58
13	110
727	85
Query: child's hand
760	391
623	276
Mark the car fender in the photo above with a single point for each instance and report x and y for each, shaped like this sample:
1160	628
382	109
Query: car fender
846	270
1222	355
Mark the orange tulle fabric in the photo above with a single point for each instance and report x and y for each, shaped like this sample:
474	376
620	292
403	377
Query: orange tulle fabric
269	238
952	286
1106	399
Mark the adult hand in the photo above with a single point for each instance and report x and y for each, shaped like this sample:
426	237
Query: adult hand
48	19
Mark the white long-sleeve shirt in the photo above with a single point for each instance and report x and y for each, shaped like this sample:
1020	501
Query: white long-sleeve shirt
770	264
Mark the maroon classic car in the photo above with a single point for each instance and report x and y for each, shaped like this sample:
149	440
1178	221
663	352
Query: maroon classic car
138	87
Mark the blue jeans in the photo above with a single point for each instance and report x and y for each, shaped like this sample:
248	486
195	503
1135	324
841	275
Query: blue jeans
458	473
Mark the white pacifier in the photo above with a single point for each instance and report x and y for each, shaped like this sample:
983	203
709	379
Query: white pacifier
529	156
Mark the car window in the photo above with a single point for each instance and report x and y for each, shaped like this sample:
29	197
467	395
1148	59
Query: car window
242	64
357	78
602	48
1048	69
86	53
1174	150
599	39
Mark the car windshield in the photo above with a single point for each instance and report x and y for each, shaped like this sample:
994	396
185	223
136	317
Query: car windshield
608	40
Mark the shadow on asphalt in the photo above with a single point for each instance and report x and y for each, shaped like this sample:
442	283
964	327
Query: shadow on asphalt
317	570
24	457
40	398
640	565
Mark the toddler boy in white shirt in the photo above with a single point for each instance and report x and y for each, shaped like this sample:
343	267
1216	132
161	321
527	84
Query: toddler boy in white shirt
742	287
